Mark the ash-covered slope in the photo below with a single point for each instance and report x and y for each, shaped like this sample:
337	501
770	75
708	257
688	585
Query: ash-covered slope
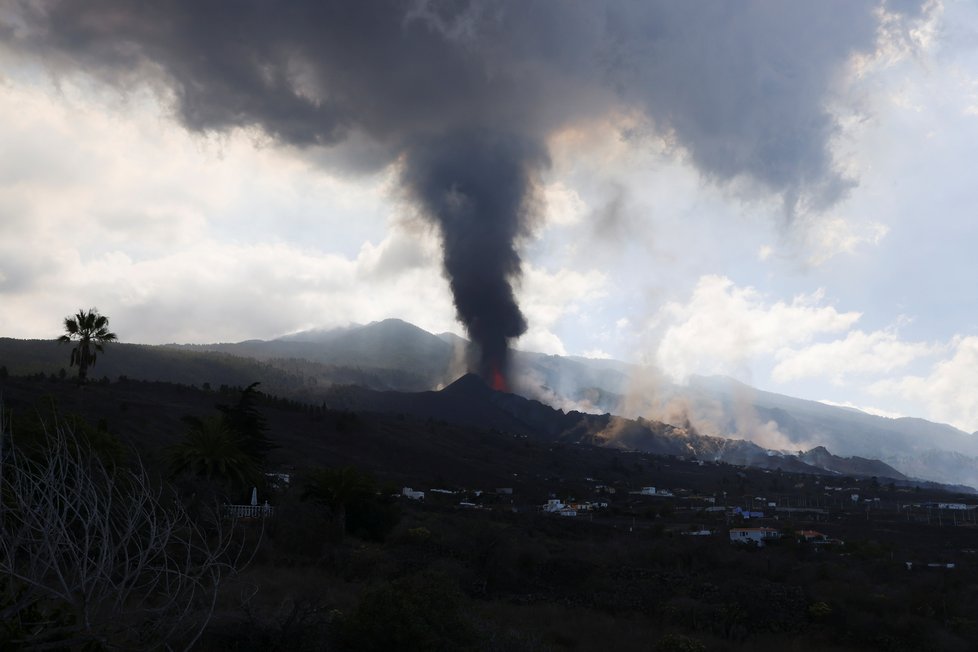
469	401
918	448
405	358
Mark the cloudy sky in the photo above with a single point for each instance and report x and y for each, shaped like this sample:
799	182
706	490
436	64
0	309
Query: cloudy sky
776	192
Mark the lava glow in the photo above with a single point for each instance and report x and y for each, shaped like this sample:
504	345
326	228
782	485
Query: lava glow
497	380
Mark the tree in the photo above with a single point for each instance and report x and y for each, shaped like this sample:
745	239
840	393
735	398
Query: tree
210	450
229	448
91	331
96	556
338	489
248	425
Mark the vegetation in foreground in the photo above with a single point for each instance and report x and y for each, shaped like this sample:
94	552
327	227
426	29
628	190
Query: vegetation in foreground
96	555
344	564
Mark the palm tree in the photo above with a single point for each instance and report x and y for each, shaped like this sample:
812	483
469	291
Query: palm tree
209	450
91	331
337	489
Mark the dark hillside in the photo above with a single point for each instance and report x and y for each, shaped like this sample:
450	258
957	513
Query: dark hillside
470	402
400	355
414	438
621	574
334	368
47	357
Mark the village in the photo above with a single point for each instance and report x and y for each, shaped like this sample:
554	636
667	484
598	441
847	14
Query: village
799	508
819	512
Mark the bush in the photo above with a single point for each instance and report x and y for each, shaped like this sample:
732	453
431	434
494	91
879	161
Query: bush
97	555
420	613
679	643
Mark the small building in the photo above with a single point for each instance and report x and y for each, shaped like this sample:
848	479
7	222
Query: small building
410	493
278	480
812	536
756	535
746	514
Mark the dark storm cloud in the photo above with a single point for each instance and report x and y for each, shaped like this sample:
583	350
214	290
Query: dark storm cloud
464	95
743	86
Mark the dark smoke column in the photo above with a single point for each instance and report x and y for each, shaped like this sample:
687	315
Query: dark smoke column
477	186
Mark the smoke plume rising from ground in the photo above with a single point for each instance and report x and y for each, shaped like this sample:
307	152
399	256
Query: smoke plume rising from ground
463	96
481	210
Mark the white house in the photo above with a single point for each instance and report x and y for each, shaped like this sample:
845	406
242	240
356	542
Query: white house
408	492
755	535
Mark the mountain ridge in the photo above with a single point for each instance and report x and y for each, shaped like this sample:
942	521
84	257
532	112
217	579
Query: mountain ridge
395	355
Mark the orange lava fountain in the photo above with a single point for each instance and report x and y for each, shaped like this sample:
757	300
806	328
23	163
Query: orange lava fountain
497	380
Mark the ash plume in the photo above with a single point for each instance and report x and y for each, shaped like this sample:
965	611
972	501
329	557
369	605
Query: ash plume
481	208
463	96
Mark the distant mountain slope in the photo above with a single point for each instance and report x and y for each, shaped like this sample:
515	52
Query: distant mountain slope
194	365
874	434
389	344
395	355
49	357
469	401
916	447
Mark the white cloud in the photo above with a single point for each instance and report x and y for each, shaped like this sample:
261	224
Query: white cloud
858	353
898	38
542	340
104	201
564	206
121	174
865	408
596	354
548	297
947	392
223	292
723	326
826	238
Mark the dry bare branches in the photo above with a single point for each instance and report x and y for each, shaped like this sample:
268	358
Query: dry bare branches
101	554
